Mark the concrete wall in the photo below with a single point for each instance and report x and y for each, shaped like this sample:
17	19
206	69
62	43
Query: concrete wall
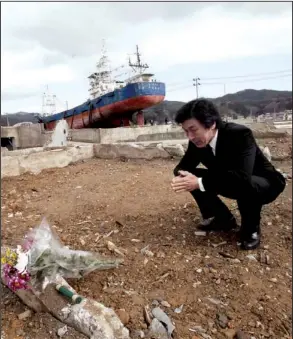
34	161
24	136
11	132
30	136
85	135
35	135
144	133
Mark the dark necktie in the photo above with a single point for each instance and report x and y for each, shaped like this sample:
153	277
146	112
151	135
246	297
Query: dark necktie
210	157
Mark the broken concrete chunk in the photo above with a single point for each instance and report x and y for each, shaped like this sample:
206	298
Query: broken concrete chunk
157	330
162	317
24	315
62	331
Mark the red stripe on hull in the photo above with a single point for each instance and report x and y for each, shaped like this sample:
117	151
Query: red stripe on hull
119	109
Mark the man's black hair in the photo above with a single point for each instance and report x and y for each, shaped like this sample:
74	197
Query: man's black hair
202	110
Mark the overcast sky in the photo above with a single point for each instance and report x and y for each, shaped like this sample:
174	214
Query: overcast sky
58	44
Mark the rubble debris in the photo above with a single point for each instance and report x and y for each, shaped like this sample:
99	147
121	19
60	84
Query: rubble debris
25	314
162	317
62	331
222	320
123	316
157	330
179	309
146	315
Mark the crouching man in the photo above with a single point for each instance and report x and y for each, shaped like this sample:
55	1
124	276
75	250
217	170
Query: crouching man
235	168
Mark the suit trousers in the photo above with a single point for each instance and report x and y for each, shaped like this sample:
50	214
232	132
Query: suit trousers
250	201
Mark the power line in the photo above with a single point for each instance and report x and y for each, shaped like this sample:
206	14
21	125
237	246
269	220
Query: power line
249	75
247	80
173	85
229	82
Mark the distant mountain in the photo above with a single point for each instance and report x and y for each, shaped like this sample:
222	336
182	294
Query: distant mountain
15	118
244	103
249	101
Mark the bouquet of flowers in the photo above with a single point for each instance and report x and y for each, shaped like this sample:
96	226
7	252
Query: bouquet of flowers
16	278
41	259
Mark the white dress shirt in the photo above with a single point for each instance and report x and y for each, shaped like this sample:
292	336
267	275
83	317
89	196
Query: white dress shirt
213	144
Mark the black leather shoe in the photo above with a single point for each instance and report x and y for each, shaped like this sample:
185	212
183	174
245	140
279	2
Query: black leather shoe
251	242
219	225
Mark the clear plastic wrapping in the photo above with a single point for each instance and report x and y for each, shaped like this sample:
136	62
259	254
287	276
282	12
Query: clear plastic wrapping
48	258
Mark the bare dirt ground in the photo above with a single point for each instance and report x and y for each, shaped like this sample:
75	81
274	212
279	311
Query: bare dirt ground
134	199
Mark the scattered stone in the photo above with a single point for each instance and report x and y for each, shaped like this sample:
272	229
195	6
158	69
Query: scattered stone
179	309
226	255
216	301
20	332
200	233
24	315
165	303
123	316
162	317
147	252
157	330
259	325
274	280
242	335
161	254
235	261
222	320
196	284
219	244
113	248
251	257
267	260
138	334
62	331
230	333
197	329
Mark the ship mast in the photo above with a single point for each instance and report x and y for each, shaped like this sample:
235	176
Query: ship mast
101	81
48	103
138	66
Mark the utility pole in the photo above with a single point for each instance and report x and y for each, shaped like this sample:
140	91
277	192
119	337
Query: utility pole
196	84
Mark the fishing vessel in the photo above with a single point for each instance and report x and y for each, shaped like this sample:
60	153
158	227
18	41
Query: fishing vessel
112	102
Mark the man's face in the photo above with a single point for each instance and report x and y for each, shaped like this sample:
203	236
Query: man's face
197	133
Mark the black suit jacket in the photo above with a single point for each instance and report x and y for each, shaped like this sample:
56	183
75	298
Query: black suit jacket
237	159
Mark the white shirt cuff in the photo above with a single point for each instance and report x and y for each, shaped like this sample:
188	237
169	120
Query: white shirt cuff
200	184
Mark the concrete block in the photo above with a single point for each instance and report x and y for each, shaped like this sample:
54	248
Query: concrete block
9	166
129	151
176	151
269	134
36	160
